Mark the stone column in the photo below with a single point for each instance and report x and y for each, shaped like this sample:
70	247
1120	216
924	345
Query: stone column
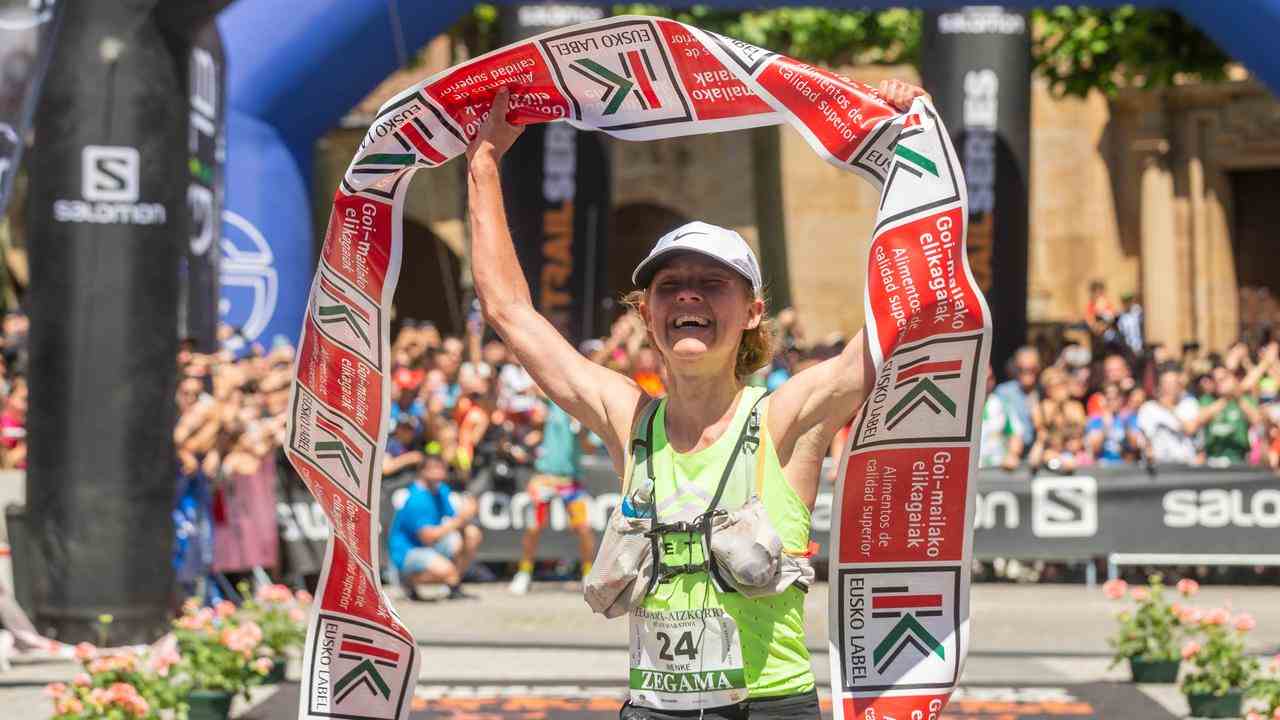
1161	298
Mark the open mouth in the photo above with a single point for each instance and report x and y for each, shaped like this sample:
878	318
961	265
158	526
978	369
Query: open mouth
682	322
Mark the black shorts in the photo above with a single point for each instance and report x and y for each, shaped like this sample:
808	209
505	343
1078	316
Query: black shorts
788	707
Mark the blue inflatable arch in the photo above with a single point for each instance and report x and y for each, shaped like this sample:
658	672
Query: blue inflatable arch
295	67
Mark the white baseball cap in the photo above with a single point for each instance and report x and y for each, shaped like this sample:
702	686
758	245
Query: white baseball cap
713	241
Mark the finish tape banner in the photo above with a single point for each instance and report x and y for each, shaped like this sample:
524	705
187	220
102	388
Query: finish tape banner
900	588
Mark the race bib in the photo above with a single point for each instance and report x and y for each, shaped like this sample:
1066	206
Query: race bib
686	659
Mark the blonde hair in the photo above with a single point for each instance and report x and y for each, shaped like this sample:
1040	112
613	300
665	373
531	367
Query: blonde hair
756	348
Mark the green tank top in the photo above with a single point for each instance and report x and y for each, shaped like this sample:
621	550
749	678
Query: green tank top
771	629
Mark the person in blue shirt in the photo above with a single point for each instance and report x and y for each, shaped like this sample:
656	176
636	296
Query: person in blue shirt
432	538
1019	393
404	447
1112	435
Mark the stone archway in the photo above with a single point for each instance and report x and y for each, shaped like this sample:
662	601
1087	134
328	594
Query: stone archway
429	282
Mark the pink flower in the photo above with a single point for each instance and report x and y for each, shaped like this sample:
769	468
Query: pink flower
164	659
1276	715
262	665
99	697
1188	587
1245	622
55	690
274	594
304	597
1253	716
69	706
243	639
225	609
82	680
85	651
1217	616
297	615
1141	594
190	606
1190	649
1115	589
1191	616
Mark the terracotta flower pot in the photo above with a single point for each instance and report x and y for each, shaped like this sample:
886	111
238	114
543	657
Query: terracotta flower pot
1154	671
208	705
1217	706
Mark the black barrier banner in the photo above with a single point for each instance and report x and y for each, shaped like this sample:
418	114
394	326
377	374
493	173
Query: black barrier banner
1175	510
28	29
206	149
556	185
977	65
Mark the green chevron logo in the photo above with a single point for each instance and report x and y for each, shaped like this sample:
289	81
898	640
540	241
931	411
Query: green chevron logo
341	314
362	675
332	449
341	448
616	86
924	393
922	373
916	159
907	633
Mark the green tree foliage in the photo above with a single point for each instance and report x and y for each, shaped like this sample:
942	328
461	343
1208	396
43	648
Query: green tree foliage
833	37
1076	49
1081	49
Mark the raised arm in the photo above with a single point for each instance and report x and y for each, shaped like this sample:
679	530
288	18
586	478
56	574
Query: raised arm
601	399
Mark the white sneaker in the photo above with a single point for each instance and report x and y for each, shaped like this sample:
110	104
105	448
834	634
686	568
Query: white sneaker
7	650
520	583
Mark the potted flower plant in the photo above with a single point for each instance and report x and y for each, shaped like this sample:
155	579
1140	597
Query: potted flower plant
118	684
283	618
1266	690
1221	673
222	654
1150	634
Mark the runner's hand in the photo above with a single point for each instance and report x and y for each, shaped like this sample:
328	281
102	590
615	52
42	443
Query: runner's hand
900	94
496	135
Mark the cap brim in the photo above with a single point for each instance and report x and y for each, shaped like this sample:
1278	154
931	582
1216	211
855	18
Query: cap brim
645	271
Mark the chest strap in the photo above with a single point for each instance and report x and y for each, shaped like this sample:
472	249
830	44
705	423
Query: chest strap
748	437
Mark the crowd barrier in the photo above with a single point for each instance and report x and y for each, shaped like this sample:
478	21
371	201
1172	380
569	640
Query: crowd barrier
1155	512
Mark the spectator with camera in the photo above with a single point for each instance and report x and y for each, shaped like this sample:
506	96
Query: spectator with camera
433	538
1229	412
1112	433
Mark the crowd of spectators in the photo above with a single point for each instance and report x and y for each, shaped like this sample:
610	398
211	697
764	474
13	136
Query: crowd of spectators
13	391
465	417
231	417
1111	399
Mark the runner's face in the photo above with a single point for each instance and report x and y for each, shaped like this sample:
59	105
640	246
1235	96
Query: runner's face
696	308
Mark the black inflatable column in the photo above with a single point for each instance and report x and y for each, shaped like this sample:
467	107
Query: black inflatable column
107	203
977	65
557	187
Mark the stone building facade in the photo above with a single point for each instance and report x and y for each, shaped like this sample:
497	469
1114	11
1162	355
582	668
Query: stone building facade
1163	195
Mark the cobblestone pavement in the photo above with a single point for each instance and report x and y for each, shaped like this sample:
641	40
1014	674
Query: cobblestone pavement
1038	651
